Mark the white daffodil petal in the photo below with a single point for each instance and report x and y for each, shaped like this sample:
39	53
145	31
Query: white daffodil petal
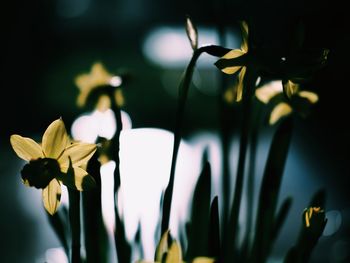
310	96
80	181
55	139
174	254
26	148
79	153
268	91
52	196
282	109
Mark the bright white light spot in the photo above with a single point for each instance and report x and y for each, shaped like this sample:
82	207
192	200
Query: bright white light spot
88	127
170	47
107	196
115	81
145	159
258	81
70	9
334	220
56	255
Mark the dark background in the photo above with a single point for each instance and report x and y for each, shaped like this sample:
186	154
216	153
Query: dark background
42	51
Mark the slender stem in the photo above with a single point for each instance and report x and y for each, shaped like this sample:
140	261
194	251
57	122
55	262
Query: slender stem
256	118
122	246
74	220
225	115
183	92
96	239
231	235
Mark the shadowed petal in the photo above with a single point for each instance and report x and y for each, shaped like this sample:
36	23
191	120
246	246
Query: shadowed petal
244	28
203	260
240	84
26	148
282	109
55	139
79	153
80	180
310	96
290	88
52	196
235	53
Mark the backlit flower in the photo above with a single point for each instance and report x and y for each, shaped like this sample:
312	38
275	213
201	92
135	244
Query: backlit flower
56	160
237	91
298	100
97	78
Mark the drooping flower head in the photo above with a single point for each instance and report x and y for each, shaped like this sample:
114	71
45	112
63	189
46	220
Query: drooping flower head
235	93
56	160
104	84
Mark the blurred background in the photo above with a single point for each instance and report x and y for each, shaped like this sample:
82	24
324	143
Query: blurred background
45	44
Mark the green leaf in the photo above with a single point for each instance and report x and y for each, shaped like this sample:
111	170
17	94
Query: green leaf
199	224
59	224
270	189
214	230
95	233
281	217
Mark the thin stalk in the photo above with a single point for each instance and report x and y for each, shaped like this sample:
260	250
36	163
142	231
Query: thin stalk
122	246
225	117
74	220
96	239
256	118
183	92
243	146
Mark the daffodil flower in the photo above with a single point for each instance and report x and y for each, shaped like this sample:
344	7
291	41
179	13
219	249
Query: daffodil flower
236	93
97	78
56	160
309	213
172	254
298	100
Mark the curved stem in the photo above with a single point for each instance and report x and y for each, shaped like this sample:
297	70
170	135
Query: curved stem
232	229
183	92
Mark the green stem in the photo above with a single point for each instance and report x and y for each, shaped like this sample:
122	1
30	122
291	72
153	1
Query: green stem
96	239
122	246
183	92
256	119
231	234
74	220
225	116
